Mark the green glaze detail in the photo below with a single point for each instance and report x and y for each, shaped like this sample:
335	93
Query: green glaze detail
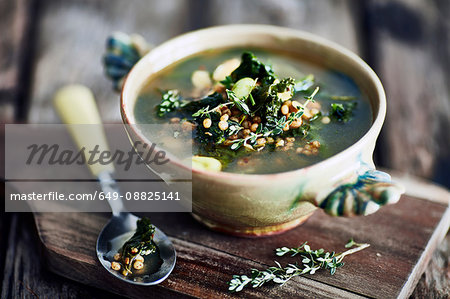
297	199
366	195
122	53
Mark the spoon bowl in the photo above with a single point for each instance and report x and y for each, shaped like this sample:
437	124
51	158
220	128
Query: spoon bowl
118	230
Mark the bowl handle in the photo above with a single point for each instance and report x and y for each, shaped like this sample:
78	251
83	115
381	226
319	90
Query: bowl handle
122	53
365	195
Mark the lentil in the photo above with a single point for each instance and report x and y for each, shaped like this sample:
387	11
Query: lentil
175	120
280	143
297	123
187	126
115	266
223	125
138	265
290	139
207	123
256	119
261	141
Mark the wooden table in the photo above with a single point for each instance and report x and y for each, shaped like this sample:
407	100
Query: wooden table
46	44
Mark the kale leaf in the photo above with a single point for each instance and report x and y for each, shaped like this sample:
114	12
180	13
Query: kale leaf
211	100
173	101
342	112
251	67
227	82
287	84
272	103
141	241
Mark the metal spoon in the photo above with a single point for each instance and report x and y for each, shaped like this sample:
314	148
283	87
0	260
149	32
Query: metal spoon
76	105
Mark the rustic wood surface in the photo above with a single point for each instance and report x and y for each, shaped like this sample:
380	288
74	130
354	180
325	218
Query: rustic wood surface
45	44
402	240
410	50
16	39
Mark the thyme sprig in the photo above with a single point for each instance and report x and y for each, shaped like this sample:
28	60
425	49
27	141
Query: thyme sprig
311	261
205	111
274	127
239	103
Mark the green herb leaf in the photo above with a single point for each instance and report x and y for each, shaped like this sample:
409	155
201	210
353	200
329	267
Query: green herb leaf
350	243
236	145
240	104
170	101
311	261
342	112
203	112
287	84
272	102
227	82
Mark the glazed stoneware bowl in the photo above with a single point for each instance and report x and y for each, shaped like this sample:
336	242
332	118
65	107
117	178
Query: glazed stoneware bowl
345	184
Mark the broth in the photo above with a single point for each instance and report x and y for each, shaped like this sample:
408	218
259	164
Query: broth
333	137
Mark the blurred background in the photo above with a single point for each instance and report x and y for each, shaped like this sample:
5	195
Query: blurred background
46	44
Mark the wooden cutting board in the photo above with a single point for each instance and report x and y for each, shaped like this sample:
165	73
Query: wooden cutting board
402	238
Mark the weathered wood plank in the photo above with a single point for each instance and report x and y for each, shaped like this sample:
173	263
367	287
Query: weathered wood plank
435	282
381	231
15	22
202	272
409	45
4	230
401	239
12	25
25	275
71	43
330	19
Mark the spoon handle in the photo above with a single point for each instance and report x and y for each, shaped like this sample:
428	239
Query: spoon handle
76	106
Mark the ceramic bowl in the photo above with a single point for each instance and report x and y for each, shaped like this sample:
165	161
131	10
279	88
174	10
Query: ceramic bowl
345	184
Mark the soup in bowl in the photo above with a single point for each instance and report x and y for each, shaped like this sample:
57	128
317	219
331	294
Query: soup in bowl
281	122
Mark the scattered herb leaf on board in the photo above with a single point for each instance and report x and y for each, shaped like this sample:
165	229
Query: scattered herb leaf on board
310	262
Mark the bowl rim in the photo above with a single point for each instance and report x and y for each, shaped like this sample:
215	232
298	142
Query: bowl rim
270	30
